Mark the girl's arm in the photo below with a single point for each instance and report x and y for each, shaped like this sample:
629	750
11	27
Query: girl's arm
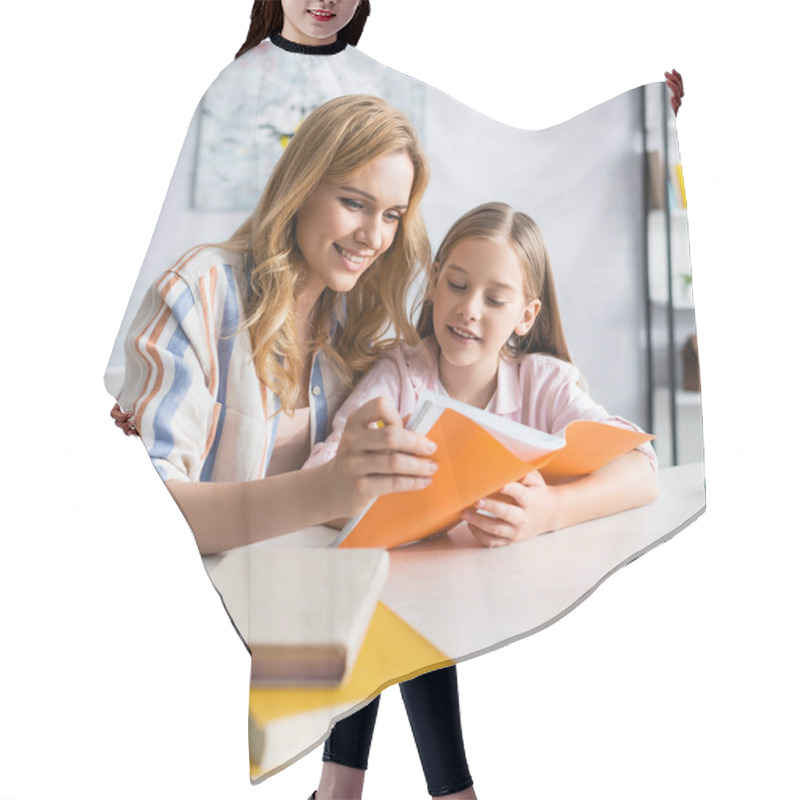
370	461
532	507
124	420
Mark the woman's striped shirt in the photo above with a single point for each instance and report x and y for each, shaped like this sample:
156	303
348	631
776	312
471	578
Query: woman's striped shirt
200	408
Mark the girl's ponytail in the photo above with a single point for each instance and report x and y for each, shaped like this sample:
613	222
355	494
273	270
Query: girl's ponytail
266	19
353	30
547	333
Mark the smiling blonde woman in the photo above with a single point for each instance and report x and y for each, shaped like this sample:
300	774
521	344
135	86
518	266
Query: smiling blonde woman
233	341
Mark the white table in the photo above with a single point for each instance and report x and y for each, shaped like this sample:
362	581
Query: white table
466	599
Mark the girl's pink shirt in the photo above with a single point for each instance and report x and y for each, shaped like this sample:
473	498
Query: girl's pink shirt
540	391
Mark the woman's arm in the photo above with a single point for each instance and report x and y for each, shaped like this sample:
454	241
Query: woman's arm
227	515
371	460
532	507
172	376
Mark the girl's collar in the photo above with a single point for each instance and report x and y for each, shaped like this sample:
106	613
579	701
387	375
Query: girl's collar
308	49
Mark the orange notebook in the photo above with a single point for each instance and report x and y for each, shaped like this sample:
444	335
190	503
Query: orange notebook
478	453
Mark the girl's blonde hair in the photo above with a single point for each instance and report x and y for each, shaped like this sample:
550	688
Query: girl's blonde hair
336	140
501	222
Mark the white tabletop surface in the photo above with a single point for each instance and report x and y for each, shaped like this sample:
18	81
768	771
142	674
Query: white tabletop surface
465	598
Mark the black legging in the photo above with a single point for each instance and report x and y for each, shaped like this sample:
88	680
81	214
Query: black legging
432	706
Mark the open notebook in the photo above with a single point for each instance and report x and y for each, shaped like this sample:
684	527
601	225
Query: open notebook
478	453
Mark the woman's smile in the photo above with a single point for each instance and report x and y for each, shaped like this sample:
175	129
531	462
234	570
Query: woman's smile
354	261
344	226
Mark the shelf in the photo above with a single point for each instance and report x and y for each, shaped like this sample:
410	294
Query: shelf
677	305
679	212
657	258
683	398
687	399
677	418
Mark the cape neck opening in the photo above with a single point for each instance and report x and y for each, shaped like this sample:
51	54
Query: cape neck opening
308	49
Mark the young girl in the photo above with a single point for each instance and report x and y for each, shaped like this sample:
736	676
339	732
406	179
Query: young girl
306	24
492	337
431	699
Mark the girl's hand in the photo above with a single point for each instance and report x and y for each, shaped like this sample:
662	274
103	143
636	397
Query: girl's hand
675	83
124	420
376	456
528	512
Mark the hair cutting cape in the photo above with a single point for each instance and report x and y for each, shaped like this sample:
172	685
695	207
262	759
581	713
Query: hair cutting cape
606	190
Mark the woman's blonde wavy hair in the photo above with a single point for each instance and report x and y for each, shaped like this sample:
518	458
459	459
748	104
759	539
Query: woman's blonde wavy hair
501	222
334	142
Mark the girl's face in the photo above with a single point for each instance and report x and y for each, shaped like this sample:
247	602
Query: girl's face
478	302
343	227
315	22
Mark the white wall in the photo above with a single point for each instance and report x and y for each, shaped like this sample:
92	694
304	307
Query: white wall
581	180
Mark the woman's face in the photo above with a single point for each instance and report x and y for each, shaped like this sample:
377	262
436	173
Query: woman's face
315	22
343	227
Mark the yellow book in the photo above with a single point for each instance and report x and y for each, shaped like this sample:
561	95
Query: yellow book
286	721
